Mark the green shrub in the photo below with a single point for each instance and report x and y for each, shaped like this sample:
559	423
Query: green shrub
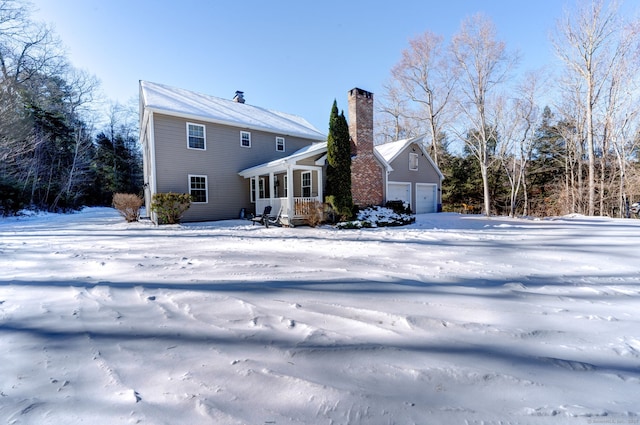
337	213
12	199
169	207
399	207
377	217
128	205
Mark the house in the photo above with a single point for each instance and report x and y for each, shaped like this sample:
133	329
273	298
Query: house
414	178
194	143
233	157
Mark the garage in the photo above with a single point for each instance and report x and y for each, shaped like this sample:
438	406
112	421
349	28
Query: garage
426	197
397	191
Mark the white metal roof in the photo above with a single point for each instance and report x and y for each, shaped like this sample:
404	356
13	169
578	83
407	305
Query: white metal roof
280	164
186	103
389	151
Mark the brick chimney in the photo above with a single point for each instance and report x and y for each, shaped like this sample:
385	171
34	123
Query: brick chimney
367	173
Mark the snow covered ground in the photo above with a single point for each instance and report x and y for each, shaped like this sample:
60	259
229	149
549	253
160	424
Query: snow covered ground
452	320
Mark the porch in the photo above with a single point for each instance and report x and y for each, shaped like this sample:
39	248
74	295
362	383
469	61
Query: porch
302	208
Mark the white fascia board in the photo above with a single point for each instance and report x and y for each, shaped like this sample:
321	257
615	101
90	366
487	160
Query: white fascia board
266	129
382	161
282	163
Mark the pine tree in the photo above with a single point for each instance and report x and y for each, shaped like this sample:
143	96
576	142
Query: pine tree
339	164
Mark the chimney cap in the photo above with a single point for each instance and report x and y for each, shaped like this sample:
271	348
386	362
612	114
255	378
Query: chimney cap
360	92
239	96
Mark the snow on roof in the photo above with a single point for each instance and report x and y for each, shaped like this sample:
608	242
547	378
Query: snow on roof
176	101
390	150
305	152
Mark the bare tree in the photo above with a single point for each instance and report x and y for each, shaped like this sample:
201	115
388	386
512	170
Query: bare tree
427	78
26	50
517	122
588	44
483	65
393	122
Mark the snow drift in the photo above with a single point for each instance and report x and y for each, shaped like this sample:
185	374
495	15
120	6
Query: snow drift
453	319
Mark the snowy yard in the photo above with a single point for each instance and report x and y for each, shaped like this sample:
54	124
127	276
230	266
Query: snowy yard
452	320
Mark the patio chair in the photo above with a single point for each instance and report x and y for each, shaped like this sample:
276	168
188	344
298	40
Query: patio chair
264	218
275	220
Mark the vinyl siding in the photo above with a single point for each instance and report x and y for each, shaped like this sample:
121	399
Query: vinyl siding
425	173
220	162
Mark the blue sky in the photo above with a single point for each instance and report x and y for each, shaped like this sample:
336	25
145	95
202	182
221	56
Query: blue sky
293	56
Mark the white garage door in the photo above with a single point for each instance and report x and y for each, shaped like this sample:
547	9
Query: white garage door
426	198
399	192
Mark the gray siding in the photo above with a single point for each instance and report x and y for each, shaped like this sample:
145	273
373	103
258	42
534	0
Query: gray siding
220	162
426	173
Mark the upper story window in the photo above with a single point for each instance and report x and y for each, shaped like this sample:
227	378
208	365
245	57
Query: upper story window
196	136
198	189
245	139
280	144
413	161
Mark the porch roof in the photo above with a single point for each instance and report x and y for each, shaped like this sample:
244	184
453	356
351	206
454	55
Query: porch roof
282	163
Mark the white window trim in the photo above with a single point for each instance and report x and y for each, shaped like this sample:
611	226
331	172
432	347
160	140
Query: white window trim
416	156
302	186
285	186
206	187
204	135
284	147
252	190
242	133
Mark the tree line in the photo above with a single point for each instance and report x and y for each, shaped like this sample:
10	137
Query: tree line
503	143
50	156
501	149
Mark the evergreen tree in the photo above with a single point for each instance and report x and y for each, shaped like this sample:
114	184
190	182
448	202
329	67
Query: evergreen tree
339	164
547	169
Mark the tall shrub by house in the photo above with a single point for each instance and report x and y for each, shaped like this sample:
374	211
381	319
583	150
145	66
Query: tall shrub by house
339	165
169	207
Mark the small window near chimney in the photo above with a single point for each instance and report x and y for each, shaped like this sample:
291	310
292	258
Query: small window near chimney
280	144
245	139
413	161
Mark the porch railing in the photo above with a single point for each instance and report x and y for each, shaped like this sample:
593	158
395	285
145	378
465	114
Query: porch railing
302	207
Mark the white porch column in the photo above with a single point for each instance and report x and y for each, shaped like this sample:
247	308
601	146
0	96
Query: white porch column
256	192
272	189
320	186
290	207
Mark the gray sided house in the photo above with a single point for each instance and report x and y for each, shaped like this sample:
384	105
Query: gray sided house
197	144
231	156
414	178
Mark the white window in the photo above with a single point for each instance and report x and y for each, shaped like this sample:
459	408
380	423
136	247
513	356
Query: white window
196	136
285	186
280	144
306	184
198	189
413	161
261	186
276	187
245	139
253	190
